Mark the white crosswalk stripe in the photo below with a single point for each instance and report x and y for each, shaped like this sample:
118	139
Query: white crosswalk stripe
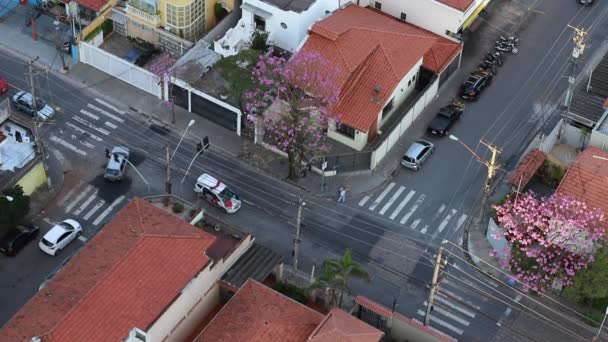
111	125
89	114
108	210
413	209
90	125
78	198
381	197
460	221
415	223
439	211
110	106
91	212
402	204
455	307
80	130
86	203
445	221
448	314
106	113
457	297
68	145
392	200
364	200
442	323
68	195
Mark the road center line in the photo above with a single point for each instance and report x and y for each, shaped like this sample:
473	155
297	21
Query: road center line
381	197
392	200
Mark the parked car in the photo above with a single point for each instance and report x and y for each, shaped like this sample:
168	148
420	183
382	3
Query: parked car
446	118
3	85
24	102
56	239
585	2
474	85
117	162
17	237
217	193
417	154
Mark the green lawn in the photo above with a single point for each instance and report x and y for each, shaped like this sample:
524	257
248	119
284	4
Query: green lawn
239	77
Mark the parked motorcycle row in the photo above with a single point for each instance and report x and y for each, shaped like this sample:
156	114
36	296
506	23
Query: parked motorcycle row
481	78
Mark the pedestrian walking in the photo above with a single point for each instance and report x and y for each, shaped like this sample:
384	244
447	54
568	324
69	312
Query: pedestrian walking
342	195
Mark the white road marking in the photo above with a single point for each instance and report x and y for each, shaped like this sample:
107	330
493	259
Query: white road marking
519	297
106	113
68	145
392	200
439	211
89	114
459	298
86	203
449	315
442	323
94	209
68	195
111	125
424	230
459	243
78	198
90	125
82	238
381	197
413	209
455	307
504	316
459	223
110	106
108	210
402	204
415	223
364	200
87	144
69	124
48	220
445	221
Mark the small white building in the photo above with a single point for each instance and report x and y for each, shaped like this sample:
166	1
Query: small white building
447	18
286	23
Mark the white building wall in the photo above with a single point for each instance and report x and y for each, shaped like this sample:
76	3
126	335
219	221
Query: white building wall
195	301
401	92
358	143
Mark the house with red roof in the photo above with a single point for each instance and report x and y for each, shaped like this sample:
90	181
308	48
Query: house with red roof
257	313
447	18
381	64
146	276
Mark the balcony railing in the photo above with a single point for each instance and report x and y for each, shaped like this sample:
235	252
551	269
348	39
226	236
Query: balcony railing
153	19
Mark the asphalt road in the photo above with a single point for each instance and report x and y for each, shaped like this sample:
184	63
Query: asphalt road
398	256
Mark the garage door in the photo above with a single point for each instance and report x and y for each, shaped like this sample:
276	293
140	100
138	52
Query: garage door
205	108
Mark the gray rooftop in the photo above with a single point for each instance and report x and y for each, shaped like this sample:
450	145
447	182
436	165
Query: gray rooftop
291	5
256	263
587	106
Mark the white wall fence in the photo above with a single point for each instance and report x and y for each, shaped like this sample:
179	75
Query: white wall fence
427	96
119	68
228	45
547	144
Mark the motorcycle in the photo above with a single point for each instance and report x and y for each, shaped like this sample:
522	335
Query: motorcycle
506	48
510	39
495	59
489	67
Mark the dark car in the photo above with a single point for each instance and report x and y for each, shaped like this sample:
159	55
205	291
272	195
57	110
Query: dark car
446	118
474	85
585	2
16	238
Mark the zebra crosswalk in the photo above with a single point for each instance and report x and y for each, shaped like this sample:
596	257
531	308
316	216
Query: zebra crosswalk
410	208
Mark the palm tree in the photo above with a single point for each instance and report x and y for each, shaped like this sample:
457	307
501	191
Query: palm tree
336	275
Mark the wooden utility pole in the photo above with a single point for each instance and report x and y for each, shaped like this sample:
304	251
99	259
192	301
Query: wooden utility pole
434	286
492	164
37	140
297	240
168	181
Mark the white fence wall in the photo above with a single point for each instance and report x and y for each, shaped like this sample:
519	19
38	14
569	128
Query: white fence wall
547	144
415	110
119	68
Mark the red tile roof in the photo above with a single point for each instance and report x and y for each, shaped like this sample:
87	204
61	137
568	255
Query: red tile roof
372	49
338	326
587	179
385	312
527	167
117	281
257	313
460	5
96	5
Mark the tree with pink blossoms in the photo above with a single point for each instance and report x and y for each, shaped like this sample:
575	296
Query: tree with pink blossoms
290	104
552	238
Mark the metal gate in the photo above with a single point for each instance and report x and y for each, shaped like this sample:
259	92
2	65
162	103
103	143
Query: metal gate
213	112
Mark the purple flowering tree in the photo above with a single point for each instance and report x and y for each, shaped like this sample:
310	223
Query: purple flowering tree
552	238
290	104
162	67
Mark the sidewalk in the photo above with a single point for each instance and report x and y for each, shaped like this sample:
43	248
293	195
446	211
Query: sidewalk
39	200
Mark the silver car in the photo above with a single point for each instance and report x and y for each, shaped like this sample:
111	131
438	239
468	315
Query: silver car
24	102
117	163
417	154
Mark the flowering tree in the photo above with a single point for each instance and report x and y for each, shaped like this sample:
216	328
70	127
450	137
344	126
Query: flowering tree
163	68
290	104
552	237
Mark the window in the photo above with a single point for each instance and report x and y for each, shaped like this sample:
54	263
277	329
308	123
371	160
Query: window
346	130
402	16
260	23
283	25
378	5
409	83
388	107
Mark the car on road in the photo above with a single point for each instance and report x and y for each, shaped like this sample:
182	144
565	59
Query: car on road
474	85
117	162
17	237
217	193
585	2
3	85
24	102
418	152
446	117
56	239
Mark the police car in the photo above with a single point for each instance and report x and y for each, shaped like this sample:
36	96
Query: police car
217	193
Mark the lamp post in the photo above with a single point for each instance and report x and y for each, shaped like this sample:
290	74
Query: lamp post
8	198
599	331
182	138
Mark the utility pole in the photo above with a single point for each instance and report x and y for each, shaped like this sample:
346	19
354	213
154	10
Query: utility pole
168	181
434	286
492	164
578	50
39	145
297	240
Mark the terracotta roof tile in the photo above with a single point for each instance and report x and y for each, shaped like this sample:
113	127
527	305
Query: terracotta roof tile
372	49
587	179
101	291
460	5
257	313
338	326
527	167
96	5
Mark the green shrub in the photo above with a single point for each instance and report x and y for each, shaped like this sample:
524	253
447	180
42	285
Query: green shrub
177	207
165	201
259	40
298	294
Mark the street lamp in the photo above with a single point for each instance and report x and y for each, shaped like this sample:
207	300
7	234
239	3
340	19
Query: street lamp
8	198
603	321
182	138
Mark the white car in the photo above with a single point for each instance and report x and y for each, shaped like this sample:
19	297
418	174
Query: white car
217	193
60	236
